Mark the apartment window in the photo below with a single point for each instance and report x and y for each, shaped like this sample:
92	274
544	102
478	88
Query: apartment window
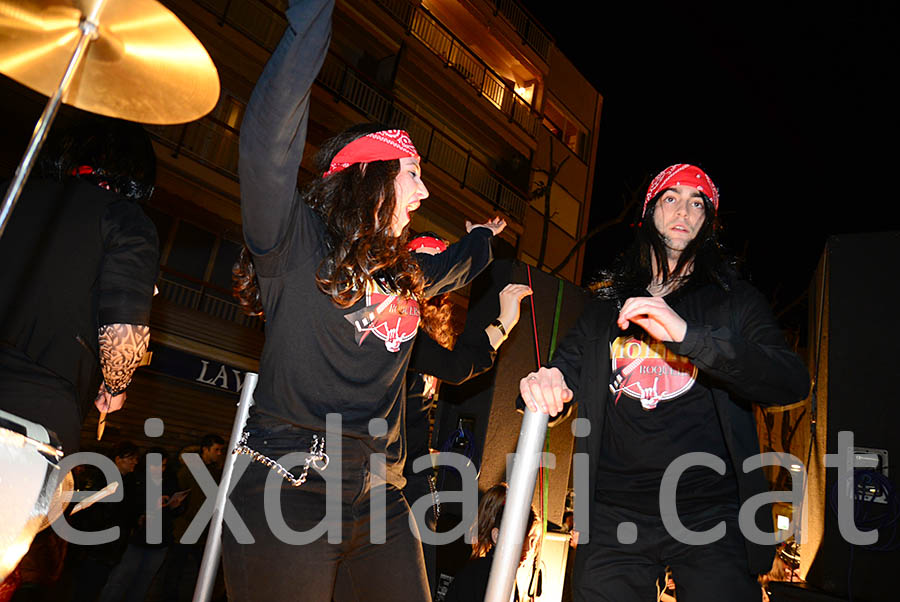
190	253
566	129
163	223
221	270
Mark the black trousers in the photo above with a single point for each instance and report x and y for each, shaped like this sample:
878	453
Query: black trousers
617	572
417	487
320	571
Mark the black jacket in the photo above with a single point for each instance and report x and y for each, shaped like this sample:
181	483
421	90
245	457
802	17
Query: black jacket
736	343
75	257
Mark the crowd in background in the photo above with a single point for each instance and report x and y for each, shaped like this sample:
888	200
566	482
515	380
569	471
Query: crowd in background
127	568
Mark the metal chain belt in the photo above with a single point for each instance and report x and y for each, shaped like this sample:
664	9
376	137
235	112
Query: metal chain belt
316	455
435	498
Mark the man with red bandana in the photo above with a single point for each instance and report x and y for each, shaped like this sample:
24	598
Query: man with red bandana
664	363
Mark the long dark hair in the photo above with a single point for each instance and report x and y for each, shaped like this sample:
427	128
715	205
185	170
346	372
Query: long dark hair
245	284
118	152
437	320
357	206
702	261
490	516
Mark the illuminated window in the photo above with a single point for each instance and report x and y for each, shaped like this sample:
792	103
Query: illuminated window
525	91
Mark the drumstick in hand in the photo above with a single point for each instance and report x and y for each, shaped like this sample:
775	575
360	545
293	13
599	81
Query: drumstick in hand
101	424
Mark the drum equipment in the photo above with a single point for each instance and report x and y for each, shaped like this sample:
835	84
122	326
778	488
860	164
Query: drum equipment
35	492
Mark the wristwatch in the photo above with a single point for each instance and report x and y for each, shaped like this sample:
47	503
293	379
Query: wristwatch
499	326
111	391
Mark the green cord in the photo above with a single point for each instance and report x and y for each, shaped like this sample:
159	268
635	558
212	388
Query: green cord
545	501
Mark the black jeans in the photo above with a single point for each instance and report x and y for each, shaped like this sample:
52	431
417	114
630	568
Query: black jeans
617	572
417	487
352	568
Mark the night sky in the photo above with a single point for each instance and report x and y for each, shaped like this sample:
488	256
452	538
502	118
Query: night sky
790	111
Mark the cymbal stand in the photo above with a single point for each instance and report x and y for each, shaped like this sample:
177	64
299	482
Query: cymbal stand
89	32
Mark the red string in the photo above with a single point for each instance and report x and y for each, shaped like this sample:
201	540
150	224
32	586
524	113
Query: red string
537	348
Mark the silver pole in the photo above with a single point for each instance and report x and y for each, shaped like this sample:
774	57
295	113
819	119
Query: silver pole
88	27
210	563
516	510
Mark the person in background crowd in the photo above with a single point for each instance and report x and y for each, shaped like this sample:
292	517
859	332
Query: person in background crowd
472	580
88	567
182	564
131	578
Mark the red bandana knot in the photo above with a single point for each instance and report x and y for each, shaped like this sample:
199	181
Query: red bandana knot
385	145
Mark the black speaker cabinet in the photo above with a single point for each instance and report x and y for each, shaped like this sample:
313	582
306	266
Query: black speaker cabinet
859	295
485	406
798	592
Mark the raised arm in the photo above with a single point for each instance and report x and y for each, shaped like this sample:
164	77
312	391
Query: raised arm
273	132
453	366
475	350
462	261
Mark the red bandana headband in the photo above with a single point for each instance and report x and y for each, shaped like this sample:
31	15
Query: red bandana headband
682	174
378	146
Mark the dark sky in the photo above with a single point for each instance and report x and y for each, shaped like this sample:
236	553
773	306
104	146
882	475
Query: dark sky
791	112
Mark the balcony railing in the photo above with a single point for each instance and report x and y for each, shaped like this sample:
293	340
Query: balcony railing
214	143
207	140
260	20
435	147
263	22
195	294
464	62
531	32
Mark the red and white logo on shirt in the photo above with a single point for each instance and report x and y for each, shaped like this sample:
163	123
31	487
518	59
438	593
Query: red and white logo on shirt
648	372
391	318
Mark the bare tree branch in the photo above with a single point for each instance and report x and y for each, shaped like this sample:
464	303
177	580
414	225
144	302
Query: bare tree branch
630	200
621	217
546	188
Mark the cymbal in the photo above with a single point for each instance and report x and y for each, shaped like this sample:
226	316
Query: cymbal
144	66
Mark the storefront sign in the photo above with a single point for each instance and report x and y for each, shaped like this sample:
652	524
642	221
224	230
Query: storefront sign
179	364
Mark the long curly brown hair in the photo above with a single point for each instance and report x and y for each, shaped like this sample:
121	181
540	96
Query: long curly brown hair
244	284
356	206
437	320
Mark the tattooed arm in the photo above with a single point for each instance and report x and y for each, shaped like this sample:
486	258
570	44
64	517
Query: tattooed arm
121	348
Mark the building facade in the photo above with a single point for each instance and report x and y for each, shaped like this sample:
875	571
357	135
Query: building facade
489	100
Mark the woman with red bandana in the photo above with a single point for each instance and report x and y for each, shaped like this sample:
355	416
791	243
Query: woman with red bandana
341	297
664	365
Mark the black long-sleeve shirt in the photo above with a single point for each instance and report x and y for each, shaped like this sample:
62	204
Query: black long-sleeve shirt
319	358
